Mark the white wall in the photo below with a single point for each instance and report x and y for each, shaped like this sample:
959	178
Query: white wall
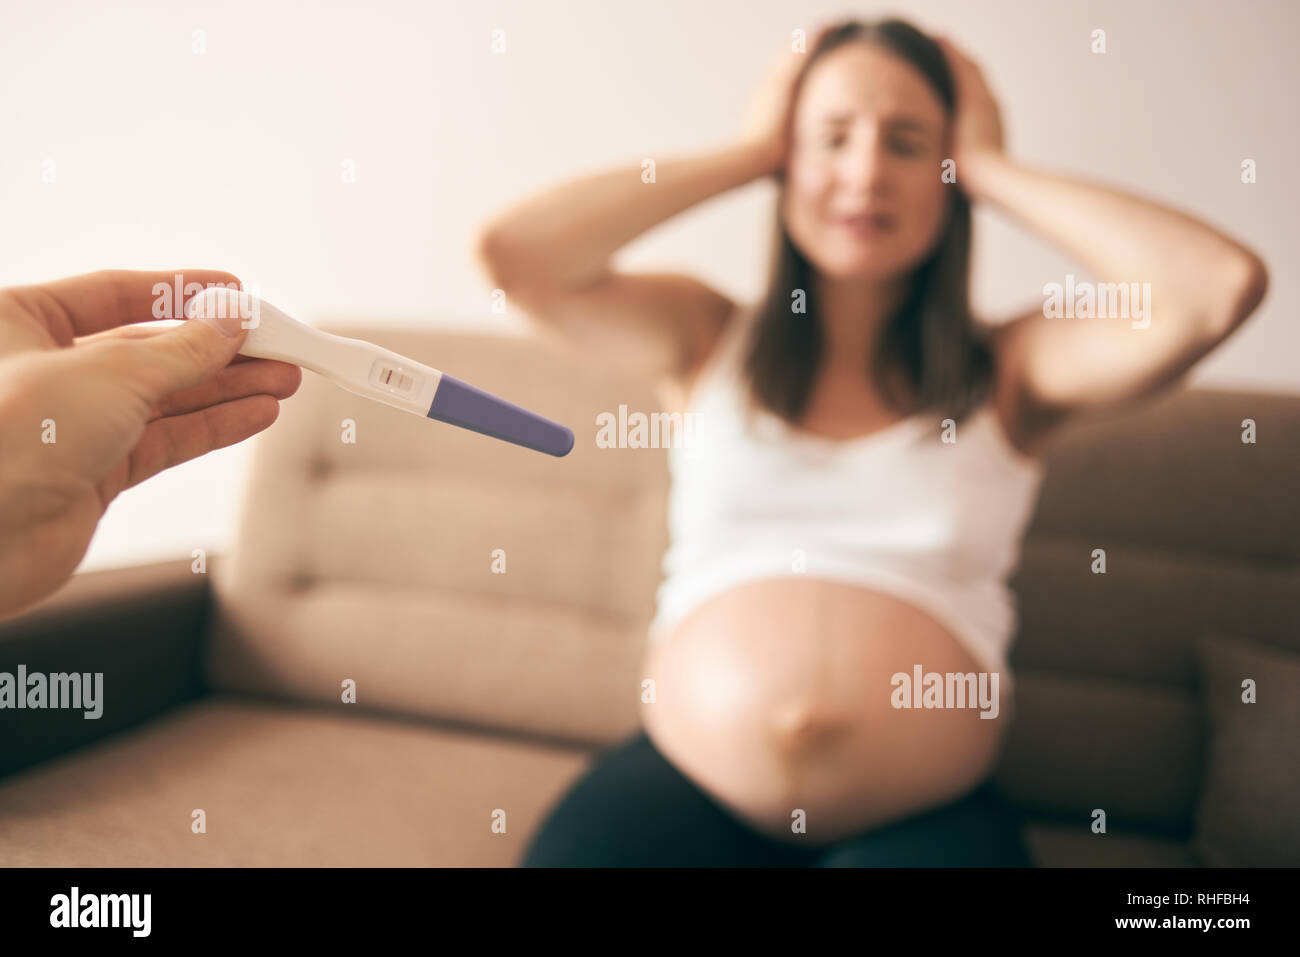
232	158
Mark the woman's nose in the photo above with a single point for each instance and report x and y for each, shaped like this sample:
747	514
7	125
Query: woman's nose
863	168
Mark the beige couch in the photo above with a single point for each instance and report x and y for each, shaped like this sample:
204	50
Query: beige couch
481	694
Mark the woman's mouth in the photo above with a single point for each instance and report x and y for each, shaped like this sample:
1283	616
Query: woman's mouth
865	225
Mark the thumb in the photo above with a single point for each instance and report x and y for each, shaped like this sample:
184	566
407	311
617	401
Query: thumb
183	355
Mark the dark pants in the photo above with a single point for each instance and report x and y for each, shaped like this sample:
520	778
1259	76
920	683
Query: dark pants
633	808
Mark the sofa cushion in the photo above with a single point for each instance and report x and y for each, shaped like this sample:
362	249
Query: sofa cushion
1080	744
1247	816
1136	474
286	786
1200	534
450	575
1056	845
283	786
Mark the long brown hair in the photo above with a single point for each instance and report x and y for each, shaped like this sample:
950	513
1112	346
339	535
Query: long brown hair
931	338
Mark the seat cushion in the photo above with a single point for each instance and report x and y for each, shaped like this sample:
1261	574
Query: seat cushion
1247	816
289	786
1055	845
283	786
1079	744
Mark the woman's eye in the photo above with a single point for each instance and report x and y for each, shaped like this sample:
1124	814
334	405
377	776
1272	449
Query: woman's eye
905	147
833	142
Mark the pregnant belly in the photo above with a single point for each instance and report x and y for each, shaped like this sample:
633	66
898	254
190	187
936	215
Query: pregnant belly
776	697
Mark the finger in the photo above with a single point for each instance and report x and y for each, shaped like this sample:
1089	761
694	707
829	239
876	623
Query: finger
121	332
950	51
175	439
90	303
242	376
148	332
812	42
181	357
962	64
253	377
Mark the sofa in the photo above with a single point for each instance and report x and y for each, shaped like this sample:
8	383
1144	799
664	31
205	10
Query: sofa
419	637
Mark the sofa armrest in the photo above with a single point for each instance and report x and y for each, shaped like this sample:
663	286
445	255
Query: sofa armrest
142	627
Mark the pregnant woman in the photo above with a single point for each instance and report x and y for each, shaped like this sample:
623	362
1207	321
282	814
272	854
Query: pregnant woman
868	457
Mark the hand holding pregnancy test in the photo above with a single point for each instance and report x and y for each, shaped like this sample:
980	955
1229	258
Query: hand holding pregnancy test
376	373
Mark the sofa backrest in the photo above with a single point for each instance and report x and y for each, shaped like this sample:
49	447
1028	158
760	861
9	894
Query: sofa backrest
455	577
1201	534
449	575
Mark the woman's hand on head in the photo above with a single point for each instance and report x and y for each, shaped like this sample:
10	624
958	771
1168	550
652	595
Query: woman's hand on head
769	123
977	126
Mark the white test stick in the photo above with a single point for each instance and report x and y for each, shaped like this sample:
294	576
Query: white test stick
377	373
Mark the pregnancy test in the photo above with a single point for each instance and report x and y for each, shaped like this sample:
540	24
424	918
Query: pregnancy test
376	373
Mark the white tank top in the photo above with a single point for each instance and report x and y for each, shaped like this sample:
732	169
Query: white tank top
936	524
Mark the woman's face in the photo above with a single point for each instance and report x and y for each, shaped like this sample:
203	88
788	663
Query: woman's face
863	195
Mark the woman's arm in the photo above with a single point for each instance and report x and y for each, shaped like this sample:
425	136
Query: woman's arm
1201	283
1201	286
565	236
551	253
